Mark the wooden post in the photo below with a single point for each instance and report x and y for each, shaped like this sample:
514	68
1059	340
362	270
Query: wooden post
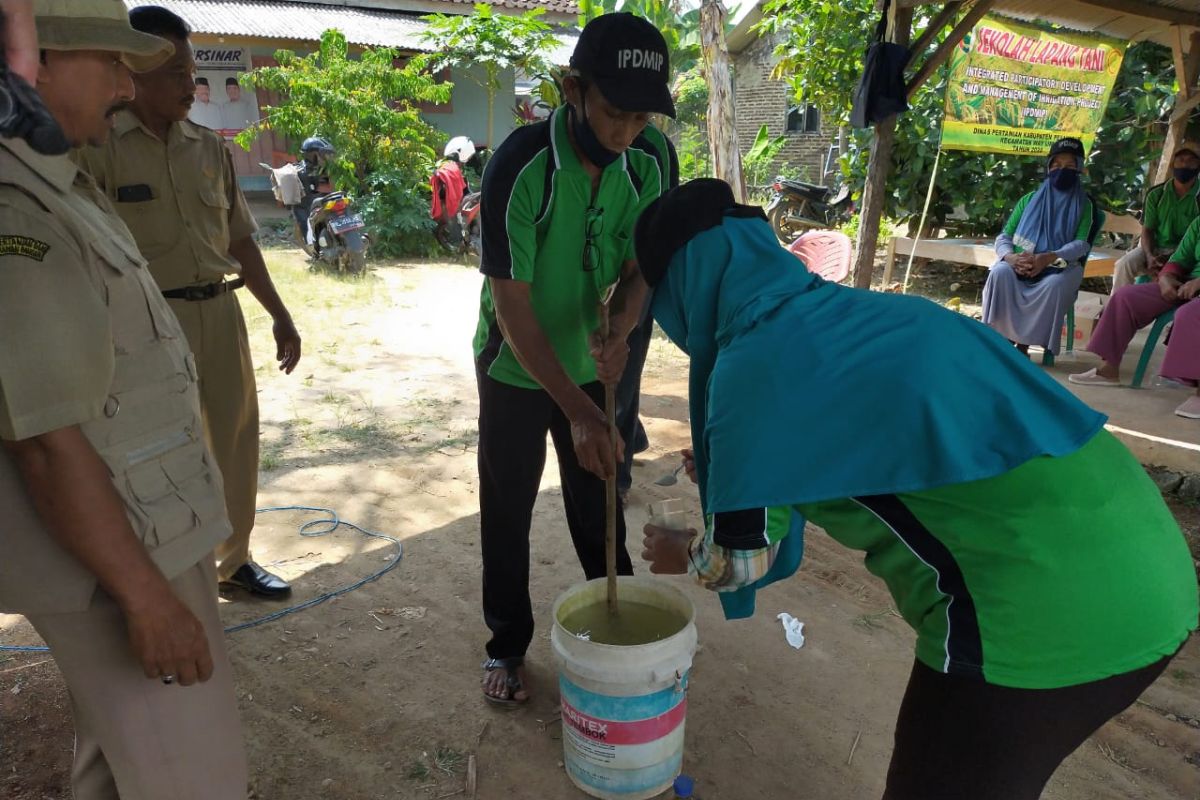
722	120
877	173
1189	63
944	50
932	30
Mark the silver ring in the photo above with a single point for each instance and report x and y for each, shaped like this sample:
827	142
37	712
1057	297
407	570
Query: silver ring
168	679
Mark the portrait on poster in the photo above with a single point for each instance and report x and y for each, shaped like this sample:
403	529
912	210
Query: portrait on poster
221	103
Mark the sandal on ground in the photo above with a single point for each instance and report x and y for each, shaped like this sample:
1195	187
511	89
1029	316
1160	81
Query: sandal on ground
512	681
1092	378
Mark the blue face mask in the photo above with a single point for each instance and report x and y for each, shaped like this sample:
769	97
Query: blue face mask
586	138
1064	178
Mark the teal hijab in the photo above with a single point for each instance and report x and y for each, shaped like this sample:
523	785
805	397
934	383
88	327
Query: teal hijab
802	391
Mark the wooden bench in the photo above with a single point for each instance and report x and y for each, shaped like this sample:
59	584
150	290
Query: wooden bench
982	252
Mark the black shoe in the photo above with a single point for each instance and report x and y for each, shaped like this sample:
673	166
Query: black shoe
256	580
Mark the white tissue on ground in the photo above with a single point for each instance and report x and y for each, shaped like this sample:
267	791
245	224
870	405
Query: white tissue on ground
793	629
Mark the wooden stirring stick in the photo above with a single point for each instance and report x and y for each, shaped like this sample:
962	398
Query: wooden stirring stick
610	485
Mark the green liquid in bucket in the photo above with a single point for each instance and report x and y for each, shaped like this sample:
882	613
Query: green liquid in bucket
633	624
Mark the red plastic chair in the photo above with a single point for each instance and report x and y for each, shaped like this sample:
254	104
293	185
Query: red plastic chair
825	253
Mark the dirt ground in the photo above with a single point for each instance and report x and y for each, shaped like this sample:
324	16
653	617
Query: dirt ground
376	694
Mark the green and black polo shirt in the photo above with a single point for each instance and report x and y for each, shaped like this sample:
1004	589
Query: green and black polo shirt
542	225
1169	215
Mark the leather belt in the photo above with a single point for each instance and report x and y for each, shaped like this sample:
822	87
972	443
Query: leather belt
206	292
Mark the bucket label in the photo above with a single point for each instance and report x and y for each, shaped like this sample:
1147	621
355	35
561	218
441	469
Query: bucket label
633	732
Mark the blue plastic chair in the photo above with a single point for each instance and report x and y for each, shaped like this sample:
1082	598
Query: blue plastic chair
1098	217
1160	322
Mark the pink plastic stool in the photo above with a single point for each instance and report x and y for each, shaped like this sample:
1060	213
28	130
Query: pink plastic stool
825	253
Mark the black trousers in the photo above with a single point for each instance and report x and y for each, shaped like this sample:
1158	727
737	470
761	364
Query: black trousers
958	738
513	423
629	392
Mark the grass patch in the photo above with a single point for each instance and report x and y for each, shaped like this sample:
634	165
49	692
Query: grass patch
449	760
418	770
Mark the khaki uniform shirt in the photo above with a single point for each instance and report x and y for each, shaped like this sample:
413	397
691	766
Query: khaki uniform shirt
86	339
180	199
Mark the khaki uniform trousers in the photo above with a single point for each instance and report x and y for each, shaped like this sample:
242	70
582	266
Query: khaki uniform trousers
135	737
1130	267
216	331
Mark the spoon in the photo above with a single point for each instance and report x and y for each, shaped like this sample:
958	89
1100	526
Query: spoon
670	480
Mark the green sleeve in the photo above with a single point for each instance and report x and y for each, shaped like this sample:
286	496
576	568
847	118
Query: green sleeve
1085	221
1014	219
509	201
751	528
1186	254
1150	211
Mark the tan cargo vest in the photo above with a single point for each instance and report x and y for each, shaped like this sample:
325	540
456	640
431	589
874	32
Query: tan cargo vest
149	431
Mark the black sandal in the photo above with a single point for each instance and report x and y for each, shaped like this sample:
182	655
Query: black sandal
512	681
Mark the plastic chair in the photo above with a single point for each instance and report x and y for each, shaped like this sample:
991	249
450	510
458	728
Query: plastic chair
1160	322
824	253
1098	217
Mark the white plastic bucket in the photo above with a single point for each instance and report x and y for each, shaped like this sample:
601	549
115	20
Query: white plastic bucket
623	707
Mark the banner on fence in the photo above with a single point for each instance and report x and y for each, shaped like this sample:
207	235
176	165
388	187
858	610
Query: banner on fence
1015	88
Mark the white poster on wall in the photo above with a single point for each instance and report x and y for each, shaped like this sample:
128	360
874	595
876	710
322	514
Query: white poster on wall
221	103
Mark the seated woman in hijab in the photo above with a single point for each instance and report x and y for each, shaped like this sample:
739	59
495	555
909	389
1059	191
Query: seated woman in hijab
1041	250
1046	580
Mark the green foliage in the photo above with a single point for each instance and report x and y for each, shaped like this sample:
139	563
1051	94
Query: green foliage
982	187
689	130
681	30
494	42
762	153
366	109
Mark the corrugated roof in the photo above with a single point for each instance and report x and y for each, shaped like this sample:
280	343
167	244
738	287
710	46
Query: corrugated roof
1156	21
307	21
561	6
303	21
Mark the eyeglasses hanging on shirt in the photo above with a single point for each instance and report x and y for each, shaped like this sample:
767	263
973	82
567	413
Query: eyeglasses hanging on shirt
593	228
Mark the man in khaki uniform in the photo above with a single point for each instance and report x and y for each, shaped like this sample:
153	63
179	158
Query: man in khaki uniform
112	502
173	183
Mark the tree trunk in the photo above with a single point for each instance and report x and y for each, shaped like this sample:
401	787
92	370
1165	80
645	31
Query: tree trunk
877	174
491	104
1187	65
722	119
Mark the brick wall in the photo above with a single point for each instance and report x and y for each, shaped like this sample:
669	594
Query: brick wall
760	101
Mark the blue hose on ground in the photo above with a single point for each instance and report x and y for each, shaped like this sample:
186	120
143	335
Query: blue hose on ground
311	528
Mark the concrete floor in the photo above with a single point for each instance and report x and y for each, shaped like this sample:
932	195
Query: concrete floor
1143	419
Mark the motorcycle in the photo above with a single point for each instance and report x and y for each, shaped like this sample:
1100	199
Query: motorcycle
468	220
338	233
462	234
797	207
329	230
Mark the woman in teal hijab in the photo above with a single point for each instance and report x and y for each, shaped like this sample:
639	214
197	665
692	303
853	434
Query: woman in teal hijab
1046	580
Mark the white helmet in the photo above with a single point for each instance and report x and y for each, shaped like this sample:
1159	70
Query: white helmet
461	147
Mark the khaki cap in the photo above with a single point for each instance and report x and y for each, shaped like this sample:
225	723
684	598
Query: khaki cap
98	25
1187	147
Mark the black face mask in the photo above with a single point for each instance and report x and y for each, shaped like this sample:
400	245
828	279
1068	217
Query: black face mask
585	137
1186	174
1064	178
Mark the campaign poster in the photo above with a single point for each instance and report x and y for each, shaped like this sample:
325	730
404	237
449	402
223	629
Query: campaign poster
221	102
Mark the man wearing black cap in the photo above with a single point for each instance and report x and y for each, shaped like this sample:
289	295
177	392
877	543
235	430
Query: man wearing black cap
559	202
